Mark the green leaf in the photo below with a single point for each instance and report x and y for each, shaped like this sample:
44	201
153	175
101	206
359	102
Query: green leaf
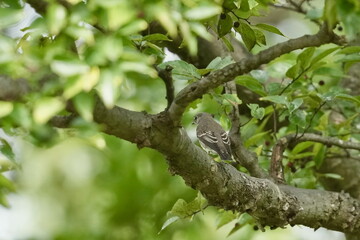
47	107
251	83
320	151
233	99
219	63
168	222
236	227
301	155
228	44
225	217
348	97
349	58
247	35
6	149
182	209
224	25
275	99
298	117
305	56
301	147
260	37
255	139
200	30
182	70
202	12
293	71
330	13
6	183
323	55
56	18
133	27
139	67
84	104
108	87
349	50
269	28
332	175
156	37
9	16
292	106
256	111
5	108
69	68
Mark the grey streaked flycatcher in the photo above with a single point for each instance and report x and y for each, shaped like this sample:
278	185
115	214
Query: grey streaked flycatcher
212	136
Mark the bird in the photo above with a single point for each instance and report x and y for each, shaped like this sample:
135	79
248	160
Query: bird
212	136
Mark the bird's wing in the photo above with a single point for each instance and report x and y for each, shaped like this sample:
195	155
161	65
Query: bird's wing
209	139
226	140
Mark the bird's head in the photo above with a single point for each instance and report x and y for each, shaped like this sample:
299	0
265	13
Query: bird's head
201	116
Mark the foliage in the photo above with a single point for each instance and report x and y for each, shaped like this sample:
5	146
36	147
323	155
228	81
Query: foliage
103	187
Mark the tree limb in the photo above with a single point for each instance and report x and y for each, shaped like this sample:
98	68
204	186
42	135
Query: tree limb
196	90
226	187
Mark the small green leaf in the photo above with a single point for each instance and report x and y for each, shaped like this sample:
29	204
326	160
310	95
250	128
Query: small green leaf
84	104
5	108
47	107
182	70
301	155
168	222
228	44
247	35
301	147
298	117
292	106
320	151
108	87
156	37
6	183
330	13
225	218
56	18
276	99
348	97
233	99
256	111
202	12
9	16
219	63
269	28
332	175
323	55
224	25
6	149
255	139
349	50
69	68
304	58
251	83
260	37
293	72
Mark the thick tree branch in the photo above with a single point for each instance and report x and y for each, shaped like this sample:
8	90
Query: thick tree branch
223	185
196	90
